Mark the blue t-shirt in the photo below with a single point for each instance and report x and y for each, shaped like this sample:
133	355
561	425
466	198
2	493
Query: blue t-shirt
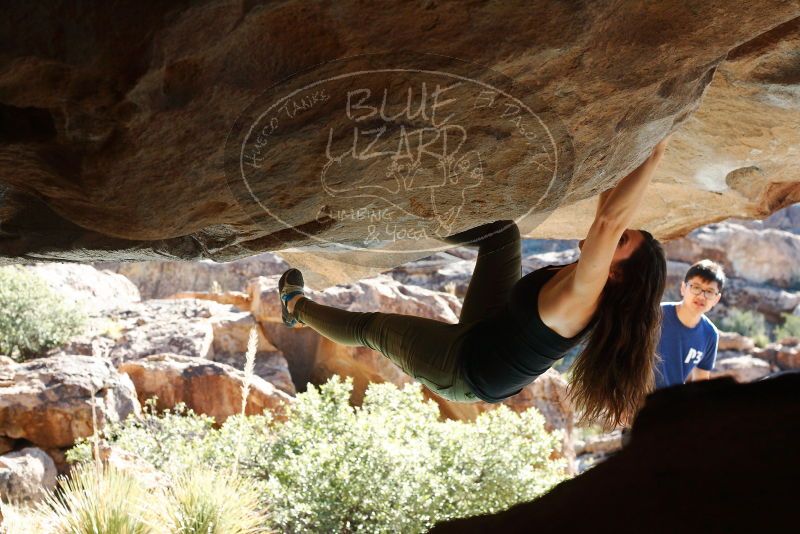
682	348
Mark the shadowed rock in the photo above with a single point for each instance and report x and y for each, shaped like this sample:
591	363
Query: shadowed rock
720	453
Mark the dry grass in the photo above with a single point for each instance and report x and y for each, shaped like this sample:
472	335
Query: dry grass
203	501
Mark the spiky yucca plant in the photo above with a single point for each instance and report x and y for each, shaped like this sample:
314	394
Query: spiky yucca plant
203	501
92	501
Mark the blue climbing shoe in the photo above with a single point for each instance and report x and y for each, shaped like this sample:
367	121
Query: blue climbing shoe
290	285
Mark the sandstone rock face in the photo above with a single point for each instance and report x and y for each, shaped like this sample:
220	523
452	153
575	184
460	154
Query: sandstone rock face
231	335
152	327
788	354
734	246
232	332
207	387
158	280
113	127
742	368
49	401
238	299
26	475
95	290
710	169
734	342
269	365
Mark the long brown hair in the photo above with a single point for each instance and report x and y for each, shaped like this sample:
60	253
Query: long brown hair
615	371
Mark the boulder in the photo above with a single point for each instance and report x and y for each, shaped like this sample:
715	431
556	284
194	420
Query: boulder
269	365
59	456
734	342
770	301
742	368
207	387
707	170
49	401
237	299
26	475
788	354
732	246
95	290
152	327
105	142
231	335
162	279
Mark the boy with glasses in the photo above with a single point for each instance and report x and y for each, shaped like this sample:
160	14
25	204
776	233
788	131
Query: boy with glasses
689	340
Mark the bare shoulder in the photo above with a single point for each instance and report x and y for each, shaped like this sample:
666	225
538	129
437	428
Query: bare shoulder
561	308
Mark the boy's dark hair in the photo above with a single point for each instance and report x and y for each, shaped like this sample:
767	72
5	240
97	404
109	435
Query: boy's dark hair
707	270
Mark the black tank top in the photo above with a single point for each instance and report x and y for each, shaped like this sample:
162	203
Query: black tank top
507	351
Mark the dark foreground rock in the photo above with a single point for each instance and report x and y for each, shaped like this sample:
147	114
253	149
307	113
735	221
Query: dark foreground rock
711	456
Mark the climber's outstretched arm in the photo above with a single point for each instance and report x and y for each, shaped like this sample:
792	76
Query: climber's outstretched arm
613	217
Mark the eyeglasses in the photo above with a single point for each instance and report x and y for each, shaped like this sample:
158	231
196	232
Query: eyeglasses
707	293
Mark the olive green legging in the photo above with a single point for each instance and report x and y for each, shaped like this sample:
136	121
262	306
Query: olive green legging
426	349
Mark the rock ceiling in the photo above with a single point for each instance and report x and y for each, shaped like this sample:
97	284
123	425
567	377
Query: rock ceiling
352	137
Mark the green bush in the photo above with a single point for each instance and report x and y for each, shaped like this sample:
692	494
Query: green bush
789	328
389	466
33	317
747	323
179	440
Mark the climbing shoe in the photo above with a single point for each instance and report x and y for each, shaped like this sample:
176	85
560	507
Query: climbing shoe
290	285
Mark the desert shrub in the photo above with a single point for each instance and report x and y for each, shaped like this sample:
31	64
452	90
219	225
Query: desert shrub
789	328
91	501
179	440
33	317
95	500
204	501
390	465
747	323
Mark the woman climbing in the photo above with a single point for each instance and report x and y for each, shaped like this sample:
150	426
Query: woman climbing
512	328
